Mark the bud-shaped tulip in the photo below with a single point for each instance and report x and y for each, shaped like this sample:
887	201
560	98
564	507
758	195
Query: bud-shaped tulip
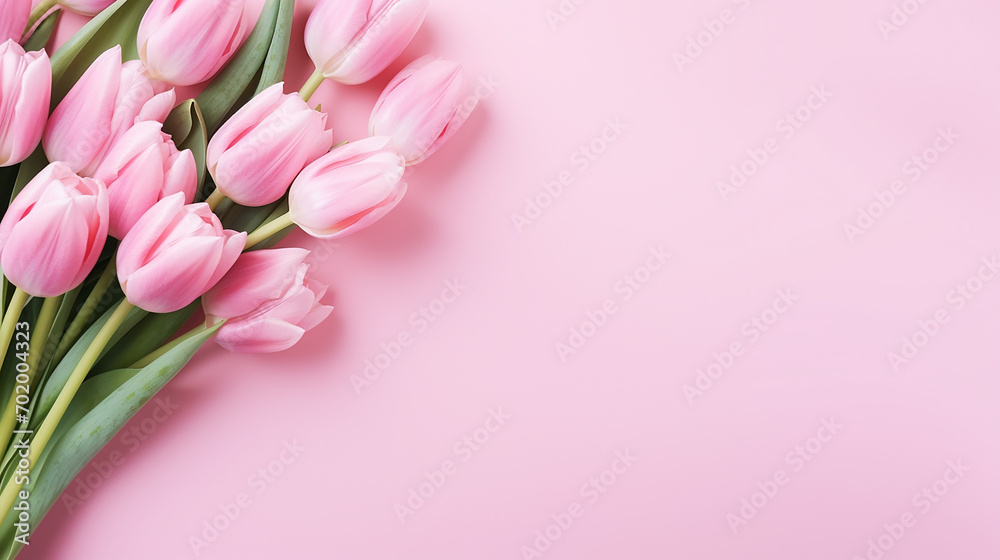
423	107
53	232
268	301
88	8
257	153
13	19
185	42
348	189
352	41
143	167
174	254
25	86
107	100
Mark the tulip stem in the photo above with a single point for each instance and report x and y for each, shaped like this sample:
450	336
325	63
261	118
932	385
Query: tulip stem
36	345
83	318
17	303
270	228
40	10
48	426
311	85
156	354
215	198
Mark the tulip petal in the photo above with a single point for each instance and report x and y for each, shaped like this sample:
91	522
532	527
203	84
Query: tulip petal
260	336
82	122
147	234
44	260
176	277
257	277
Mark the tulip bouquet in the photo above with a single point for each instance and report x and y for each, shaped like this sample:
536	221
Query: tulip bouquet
131	216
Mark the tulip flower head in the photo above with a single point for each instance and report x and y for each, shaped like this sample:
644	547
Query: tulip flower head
348	189
185	42
24	101
422	107
256	154
13	18
105	102
174	254
143	167
268	301
53	232
352	41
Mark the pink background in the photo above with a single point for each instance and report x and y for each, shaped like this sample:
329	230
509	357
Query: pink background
827	356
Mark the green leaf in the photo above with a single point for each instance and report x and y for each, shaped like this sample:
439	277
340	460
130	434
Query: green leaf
228	87
100	410
180	122
186	127
273	70
57	379
246	218
116	25
150	334
58	326
43	32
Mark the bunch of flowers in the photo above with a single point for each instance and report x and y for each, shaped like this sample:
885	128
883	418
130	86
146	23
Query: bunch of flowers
129	212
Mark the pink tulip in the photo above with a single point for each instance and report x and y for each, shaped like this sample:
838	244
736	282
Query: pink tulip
423	107
348	189
185	42
13	18
53	232
107	100
88	8
24	101
257	153
352	41
267	301
143	167
174	254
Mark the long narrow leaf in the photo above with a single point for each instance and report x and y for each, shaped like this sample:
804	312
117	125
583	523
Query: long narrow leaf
273	70
225	91
101	408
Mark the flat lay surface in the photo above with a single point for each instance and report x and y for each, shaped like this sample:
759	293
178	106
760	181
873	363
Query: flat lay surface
697	280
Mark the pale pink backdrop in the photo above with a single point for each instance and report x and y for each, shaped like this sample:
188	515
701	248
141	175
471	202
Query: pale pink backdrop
347	453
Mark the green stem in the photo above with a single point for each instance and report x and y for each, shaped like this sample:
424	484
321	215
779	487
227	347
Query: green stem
40	10
48	427
268	229
215	198
311	85
40	336
154	355
17	302
36	344
86	313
